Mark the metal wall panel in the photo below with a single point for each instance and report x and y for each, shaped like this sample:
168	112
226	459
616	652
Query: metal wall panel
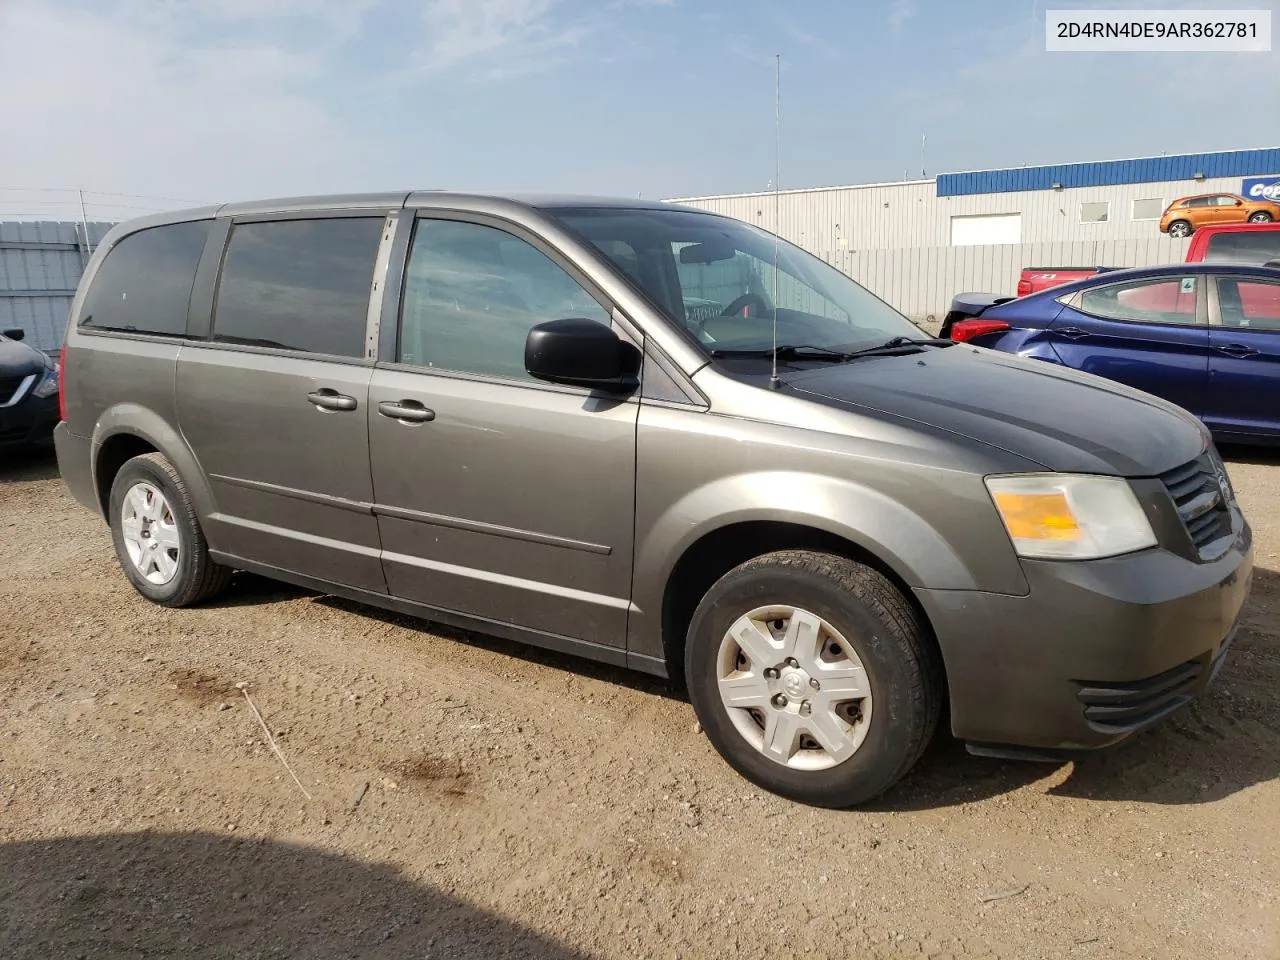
1233	163
910	214
41	263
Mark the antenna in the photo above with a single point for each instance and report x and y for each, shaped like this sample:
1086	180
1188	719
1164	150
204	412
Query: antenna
923	175
777	204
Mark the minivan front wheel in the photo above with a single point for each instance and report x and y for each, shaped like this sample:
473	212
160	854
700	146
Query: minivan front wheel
157	535
813	677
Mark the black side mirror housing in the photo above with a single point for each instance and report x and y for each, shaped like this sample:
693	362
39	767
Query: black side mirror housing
15	334
582	353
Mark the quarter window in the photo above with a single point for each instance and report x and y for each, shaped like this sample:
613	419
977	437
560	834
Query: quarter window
298	285
144	284
1166	300
1251	304
472	293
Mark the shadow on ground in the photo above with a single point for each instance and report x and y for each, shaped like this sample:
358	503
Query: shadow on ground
25	465
249	590
204	895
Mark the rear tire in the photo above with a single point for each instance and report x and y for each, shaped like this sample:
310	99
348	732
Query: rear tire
157	535
1261	217
873	691
1180	228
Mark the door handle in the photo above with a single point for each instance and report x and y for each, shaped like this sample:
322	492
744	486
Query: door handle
406	411
327	399
1071	333
1237	350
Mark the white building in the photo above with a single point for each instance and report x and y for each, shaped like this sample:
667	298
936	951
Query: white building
918	242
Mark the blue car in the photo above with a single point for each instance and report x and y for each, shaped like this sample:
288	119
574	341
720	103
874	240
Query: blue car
1205	336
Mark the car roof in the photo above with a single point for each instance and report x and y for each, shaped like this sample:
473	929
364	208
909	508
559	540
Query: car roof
1163	270
1212	228
411	199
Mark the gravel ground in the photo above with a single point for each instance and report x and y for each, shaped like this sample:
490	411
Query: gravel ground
468	797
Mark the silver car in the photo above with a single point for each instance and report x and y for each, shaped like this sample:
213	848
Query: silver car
660	438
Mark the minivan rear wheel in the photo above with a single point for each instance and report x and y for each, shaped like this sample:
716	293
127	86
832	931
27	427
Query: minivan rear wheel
1180	228
813	677
157	535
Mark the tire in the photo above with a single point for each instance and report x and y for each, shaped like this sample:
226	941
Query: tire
1260	217
866	621
1180	228
179	571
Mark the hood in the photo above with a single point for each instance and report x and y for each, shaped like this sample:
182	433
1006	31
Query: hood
17	359
1059	418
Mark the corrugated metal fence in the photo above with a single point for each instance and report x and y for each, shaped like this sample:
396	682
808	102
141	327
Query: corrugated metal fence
921	282
40	264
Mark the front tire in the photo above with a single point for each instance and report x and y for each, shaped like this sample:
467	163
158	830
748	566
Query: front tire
813	677
157	535
1180	228
1260	217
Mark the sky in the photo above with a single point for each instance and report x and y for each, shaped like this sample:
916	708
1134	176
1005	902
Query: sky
157	103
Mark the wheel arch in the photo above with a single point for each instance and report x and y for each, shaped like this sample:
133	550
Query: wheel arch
722	549
131	430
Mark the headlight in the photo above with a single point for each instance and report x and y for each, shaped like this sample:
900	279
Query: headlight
1062	516
48	384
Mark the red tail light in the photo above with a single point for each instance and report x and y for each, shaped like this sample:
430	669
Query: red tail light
968	329
62	383
1024	287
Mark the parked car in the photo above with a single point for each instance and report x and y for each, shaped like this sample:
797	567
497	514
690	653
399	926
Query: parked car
498	414
1236	243
1035	279
1187	214
1205	336
28	393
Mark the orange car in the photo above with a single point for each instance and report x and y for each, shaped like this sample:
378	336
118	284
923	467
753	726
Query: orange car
1186	214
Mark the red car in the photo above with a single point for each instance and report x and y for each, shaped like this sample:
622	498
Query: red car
1242	242
1035	279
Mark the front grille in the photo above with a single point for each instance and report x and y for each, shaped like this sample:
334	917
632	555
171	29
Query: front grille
1197	492
1120	707
8	387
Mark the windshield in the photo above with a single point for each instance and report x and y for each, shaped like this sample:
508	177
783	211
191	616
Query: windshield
715	277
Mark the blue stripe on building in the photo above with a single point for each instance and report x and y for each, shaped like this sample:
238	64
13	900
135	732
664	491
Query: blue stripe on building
1234	163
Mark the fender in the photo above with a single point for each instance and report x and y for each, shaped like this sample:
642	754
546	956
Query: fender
142	422
913	548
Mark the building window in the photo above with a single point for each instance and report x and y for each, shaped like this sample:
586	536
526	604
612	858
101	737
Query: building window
1095	211
1149	209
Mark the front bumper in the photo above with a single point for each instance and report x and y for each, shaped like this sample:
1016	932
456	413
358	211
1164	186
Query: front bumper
29	422
1096	651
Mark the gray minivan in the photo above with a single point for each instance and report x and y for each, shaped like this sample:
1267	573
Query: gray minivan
660	438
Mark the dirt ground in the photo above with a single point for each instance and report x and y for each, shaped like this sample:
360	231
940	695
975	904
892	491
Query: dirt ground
474	798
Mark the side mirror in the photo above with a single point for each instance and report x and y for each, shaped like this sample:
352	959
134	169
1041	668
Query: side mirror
582	353
1239	203
15	334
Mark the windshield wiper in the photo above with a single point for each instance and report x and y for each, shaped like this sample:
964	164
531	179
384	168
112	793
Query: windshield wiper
899	343
787	351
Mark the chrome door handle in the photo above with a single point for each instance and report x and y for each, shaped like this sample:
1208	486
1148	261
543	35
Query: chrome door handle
327	399
406	411
1237	350
1071	333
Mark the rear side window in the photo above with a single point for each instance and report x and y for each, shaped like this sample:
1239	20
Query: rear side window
298	284
1165	300
144	284
1254	246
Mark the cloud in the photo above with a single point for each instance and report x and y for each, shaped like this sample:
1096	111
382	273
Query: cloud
497	38
139	98
901	11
